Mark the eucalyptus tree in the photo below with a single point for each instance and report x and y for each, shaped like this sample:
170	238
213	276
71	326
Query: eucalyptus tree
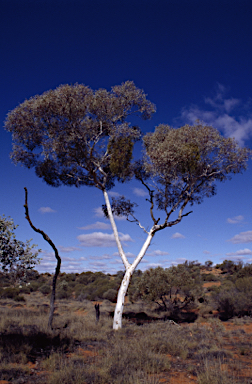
75	136
180	167
16	257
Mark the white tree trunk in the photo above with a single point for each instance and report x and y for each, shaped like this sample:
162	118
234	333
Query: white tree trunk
117	324
130	268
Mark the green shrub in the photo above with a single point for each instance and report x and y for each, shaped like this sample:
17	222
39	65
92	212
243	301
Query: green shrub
19	298
34	286
62	293
9	293
25	289
110	295
209	277
45	289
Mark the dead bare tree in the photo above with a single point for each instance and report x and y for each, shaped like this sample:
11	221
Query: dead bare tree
57	269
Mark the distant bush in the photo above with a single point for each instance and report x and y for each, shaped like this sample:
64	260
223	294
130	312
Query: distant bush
45	289
19	298
9	293
234	299
25	289
209	277
110	295
62	293
34	286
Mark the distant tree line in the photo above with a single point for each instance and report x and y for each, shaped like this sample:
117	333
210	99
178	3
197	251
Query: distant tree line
172	291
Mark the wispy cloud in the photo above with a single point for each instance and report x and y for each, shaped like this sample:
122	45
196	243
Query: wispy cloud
235	258
129	255
140	192
235	220
99	239
157	253
243	237
97	225
99	213
225	114
102	257
46	210
177	235
244	252
206	252
98	266
68	249
113	194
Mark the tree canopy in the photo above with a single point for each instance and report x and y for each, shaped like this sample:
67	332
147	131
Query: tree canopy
16	257
73	135
184	164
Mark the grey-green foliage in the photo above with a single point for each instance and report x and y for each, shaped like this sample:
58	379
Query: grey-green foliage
76	136
163	286
185	163
234	298
16	257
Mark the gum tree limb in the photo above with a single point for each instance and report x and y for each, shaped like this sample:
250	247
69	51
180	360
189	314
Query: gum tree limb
57	269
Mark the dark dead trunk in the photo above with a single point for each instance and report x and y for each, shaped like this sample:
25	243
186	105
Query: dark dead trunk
57	269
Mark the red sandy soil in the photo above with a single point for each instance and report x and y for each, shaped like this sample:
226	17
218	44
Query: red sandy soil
211	283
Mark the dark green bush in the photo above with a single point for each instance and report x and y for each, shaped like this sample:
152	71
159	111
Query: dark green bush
19	298
63	294
9	293
45	289
209	277
34	286
25	289
110	295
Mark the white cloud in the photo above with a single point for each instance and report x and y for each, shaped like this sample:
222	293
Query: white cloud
99	239
102	257
97	225
98	265
245	251
46	210
206	252
235	220
235	258
68	249
153	265
113	194
157	253
243	237
221	116
140	192
99	213
177	235
129	255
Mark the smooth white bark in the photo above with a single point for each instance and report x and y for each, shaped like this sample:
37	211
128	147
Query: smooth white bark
117	324
130	268
114	227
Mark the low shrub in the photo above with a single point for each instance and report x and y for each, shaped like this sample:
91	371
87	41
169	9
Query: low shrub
45	289
110	295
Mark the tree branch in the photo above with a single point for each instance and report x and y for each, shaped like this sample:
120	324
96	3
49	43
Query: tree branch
57	269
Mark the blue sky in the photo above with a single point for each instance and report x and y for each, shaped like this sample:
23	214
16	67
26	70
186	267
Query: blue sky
192	58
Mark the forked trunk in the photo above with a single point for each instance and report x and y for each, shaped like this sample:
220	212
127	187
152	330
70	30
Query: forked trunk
130	268
117	323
